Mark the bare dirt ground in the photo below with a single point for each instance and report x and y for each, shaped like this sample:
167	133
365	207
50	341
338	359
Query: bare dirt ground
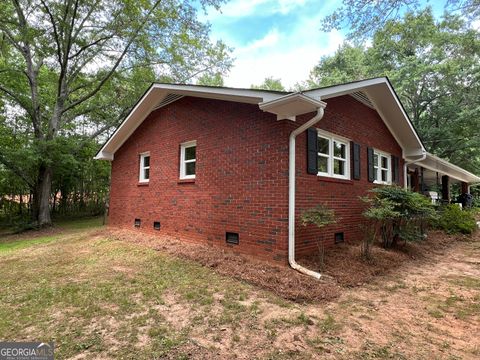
422	302
105	294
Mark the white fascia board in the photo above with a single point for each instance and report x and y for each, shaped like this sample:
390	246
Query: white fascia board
239	95
450	174
371	87
130	124
392	91
266	105
291	105
411	155
435	163
103	155
344	89
158	91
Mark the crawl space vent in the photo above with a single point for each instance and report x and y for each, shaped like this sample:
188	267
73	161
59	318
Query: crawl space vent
339	237
232	238
137	222
156	225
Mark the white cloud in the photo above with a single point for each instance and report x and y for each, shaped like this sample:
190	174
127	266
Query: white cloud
243	8
287	55
268	41
476	25
285	6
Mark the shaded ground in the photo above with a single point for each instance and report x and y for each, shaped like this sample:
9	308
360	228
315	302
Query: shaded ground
99	296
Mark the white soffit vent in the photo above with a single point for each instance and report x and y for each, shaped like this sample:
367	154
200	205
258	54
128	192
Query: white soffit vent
170	98
363	98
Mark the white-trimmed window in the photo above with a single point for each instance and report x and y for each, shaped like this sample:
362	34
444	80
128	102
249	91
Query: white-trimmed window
144	167
188	159
382	167
333	156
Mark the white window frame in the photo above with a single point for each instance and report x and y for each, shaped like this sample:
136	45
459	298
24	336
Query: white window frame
141	176
330	164
378	169
183	162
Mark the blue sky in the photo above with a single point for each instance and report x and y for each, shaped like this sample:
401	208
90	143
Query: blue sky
278	38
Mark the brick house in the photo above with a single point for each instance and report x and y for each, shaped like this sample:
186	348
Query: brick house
215	165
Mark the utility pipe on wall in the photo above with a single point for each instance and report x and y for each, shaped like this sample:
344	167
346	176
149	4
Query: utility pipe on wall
291	193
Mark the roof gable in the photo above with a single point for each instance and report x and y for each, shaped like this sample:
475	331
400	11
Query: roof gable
377	93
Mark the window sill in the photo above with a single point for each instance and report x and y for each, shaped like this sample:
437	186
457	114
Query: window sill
335	180
143	183
186	181
382	183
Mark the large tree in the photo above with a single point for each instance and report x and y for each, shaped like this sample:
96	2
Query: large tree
77	66
270	83
435	67
363	18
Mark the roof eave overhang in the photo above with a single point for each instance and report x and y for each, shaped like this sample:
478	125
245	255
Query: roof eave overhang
289	106
386	102
436	164
157	92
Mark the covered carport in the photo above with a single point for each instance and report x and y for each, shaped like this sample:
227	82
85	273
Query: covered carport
435	177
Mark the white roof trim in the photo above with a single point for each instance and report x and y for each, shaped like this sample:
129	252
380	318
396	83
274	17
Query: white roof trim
289	106
385	101
378	90
436	164
157	93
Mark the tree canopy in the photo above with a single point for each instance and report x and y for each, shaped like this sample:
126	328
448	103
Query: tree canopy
270	83
434	66
71	70
364	17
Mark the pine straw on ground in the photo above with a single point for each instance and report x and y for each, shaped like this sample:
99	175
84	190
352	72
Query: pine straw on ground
345	263
343	266
280	280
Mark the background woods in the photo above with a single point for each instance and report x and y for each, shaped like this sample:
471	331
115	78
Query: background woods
69	73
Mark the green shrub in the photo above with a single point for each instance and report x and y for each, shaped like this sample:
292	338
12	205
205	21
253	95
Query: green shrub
397	213
319	216
454	220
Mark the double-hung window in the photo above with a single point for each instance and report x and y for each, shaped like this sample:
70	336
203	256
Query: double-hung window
144	167
188	160
333	156
382	167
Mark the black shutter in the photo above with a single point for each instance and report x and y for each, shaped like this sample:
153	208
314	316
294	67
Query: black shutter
312	151
355	160
371	169
395	170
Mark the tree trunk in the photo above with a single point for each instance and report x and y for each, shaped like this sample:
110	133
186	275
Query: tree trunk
42	197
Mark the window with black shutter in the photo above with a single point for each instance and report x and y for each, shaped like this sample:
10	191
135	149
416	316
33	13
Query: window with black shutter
332	157
371	169
395	169
312	151
355	161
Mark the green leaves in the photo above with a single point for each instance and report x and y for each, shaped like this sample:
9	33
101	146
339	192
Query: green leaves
434	66
454	220
320	216
270	84
71	71
364	17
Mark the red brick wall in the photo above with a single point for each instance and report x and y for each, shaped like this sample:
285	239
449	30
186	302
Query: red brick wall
241	180
241	183
351	119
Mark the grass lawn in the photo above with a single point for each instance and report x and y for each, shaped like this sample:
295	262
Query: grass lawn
98	297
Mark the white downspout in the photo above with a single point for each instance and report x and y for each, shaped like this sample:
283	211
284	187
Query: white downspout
291	193
405	165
